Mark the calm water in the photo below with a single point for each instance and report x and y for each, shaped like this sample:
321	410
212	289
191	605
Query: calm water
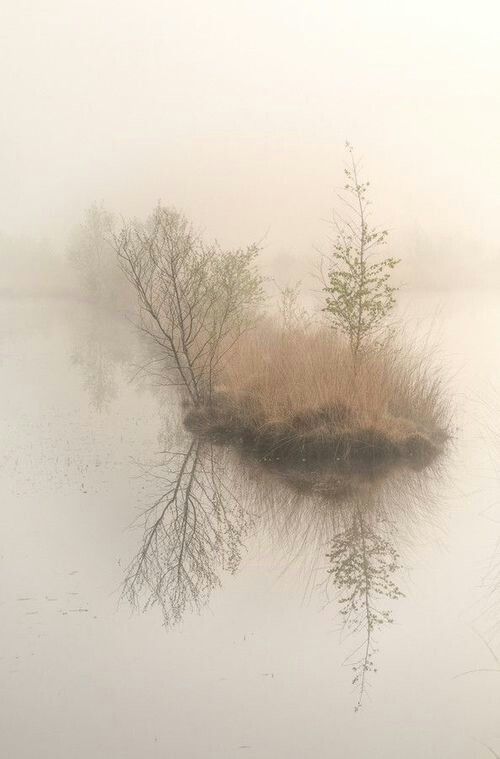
161	600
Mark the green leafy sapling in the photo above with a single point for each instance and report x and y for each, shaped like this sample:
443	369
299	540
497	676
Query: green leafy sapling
359	294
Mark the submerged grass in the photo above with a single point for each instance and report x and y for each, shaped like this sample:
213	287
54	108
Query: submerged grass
296	396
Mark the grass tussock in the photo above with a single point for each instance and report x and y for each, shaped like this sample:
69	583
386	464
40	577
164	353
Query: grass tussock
295	395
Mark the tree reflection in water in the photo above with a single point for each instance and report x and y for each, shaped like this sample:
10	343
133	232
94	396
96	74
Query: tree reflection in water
192	532
362	564
354	519
102	347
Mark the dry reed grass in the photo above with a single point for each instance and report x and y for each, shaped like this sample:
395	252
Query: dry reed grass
296	394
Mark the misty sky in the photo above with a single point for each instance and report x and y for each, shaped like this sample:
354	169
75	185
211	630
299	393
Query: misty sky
237	113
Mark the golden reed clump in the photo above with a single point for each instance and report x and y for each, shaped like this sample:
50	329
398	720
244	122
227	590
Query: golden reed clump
297	394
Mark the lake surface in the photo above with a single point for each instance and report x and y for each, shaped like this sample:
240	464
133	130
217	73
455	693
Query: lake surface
160	599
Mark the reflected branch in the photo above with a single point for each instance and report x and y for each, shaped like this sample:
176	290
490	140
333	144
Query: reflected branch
192	532
101	349
362	564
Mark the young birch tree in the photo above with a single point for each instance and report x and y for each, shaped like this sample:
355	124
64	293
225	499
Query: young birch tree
359	295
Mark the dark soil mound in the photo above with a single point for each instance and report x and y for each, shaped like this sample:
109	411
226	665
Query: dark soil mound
317	436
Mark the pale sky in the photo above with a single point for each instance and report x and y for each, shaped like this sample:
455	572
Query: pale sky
237	111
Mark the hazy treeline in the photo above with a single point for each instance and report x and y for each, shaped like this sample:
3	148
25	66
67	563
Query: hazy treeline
33	266
253	149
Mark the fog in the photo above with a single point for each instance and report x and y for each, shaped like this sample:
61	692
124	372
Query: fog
237	113
234	522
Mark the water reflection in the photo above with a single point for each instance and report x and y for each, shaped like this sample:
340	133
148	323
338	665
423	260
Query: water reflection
101	349
360	522
348	529
489	617
191	533
363	562
347	526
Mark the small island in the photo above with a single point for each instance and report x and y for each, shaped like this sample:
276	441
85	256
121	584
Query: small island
290	387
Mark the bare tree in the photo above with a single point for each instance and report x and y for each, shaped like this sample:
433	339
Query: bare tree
192	532
195	299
